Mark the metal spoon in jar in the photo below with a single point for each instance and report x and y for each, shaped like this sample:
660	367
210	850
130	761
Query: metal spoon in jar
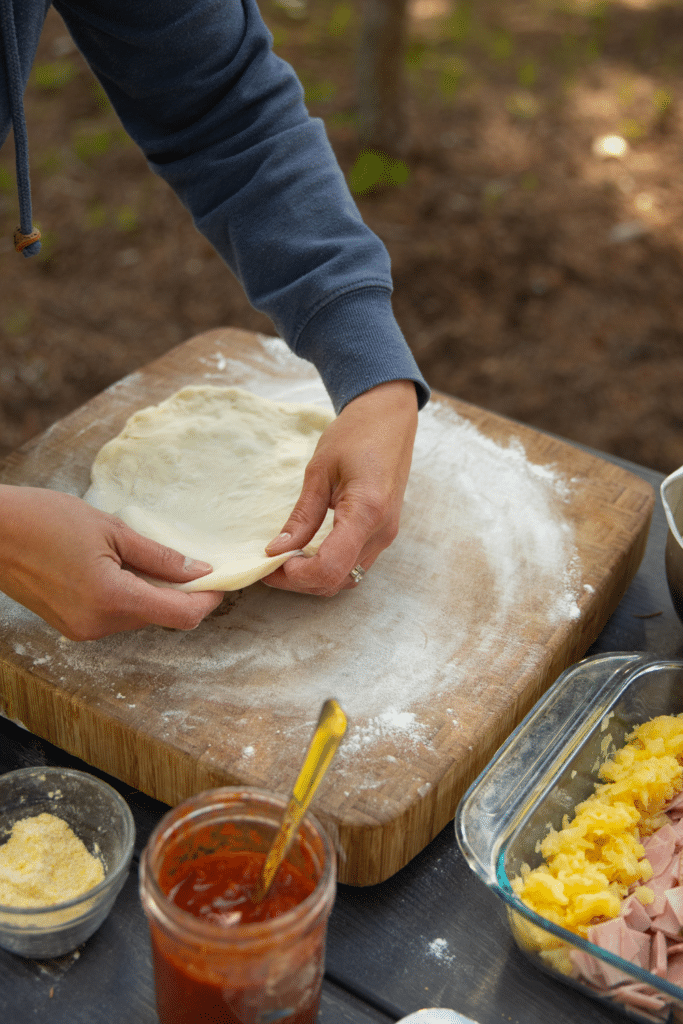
328	733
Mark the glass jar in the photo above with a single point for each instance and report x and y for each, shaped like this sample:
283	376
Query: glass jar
211	968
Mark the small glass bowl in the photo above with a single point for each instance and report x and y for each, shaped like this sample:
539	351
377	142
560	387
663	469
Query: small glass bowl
545	768
101	818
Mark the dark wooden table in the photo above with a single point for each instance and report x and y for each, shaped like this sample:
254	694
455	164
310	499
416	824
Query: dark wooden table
432	935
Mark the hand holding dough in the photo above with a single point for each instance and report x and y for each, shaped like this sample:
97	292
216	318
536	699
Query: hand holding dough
70	564
213	473
360	470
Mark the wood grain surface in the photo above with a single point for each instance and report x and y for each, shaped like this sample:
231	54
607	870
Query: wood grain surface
436	656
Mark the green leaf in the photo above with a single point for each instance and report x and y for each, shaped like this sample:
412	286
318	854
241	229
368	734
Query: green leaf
90	143
372	168
126	218
50	161
17	322
340	19
7	181
96	215
527	74
661	100
55	75
459	24
501	46
367	172
101	98
322	92
397	172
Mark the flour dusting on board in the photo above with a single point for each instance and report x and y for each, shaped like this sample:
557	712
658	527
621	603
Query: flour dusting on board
439	949
385	648
512	507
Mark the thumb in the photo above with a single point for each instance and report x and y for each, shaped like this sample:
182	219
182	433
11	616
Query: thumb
154	559
304	522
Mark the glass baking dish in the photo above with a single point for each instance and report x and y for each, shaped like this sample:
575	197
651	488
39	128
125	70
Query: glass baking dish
547	766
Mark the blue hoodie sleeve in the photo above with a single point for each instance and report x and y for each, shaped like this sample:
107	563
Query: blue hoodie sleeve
222	119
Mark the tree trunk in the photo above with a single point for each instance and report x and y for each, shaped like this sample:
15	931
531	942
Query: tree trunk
382	102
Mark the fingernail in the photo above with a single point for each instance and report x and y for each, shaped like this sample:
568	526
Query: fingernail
192	565
280	539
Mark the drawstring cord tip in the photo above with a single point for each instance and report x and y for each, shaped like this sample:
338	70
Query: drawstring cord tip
28	244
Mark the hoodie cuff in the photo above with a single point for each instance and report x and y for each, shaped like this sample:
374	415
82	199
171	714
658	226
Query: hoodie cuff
356	344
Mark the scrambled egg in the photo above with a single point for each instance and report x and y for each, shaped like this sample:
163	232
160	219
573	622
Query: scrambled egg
595	859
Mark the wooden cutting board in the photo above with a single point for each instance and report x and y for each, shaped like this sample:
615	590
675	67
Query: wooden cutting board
452	636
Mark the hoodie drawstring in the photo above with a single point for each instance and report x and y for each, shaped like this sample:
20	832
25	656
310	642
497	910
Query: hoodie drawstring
26	237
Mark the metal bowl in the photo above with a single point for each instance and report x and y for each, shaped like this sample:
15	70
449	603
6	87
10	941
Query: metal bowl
672	498
101	819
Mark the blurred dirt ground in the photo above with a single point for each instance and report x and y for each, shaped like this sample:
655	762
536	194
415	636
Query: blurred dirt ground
533	276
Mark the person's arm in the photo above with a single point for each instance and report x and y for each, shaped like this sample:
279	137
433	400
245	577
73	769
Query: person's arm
70	564
222	120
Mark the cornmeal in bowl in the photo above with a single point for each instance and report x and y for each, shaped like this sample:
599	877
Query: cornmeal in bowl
43	863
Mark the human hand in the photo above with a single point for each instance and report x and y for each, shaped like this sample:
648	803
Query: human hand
360	469
70	564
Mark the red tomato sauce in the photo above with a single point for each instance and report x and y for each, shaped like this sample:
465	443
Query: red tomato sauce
217	888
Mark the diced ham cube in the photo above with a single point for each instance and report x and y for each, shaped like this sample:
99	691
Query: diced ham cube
675	804
589	968
671	918
678	829
608	935
658	956
642	997
674	898
635	947
660	847
674	973
667	922
659	886
634	914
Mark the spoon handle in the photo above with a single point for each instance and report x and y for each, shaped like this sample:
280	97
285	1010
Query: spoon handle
326	738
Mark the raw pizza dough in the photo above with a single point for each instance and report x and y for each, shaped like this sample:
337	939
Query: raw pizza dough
214	473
